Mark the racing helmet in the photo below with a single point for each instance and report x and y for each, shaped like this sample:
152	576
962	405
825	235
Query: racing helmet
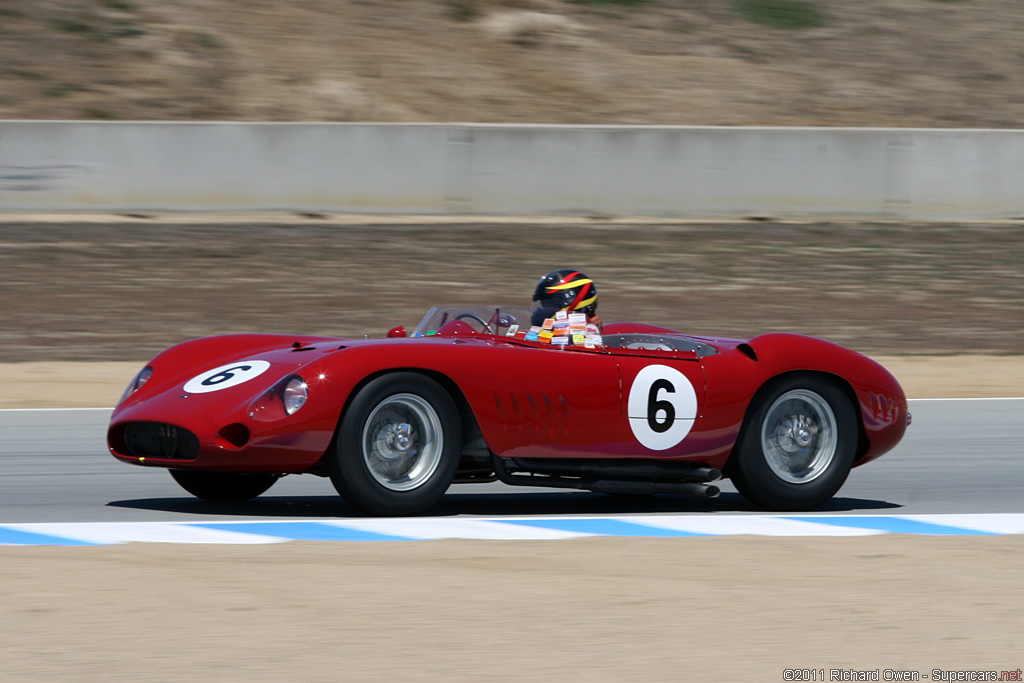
565	290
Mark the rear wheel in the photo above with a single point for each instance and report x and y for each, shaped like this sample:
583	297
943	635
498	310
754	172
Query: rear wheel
224	487
797	446
398	446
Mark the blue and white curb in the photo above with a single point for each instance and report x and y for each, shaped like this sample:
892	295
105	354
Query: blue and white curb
505	528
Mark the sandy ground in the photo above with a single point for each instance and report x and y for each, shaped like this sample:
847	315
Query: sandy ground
69	384
703	609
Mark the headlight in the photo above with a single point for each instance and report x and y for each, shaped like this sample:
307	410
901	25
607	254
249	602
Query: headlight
137	383
281	400
295	394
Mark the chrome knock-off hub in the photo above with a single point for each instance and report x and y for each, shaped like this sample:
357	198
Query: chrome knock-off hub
401	438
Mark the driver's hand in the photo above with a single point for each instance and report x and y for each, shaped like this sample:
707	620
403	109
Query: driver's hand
596	320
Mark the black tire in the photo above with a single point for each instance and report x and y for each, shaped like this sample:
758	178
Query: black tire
796	446
398	446
224	487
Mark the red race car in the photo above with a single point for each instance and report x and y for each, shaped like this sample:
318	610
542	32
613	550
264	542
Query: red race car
472	396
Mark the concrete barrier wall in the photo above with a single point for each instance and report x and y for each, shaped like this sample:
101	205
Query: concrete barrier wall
688	172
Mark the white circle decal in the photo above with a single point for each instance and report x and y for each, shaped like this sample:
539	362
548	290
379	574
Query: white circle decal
225	376
662	407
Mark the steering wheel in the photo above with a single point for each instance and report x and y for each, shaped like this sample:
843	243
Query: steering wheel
474	316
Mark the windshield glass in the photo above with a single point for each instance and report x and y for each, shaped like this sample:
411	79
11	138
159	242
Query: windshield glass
486	319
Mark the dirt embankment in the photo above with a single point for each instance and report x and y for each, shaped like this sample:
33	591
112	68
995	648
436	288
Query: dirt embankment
908	63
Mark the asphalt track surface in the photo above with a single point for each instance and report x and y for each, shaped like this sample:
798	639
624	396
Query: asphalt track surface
960	456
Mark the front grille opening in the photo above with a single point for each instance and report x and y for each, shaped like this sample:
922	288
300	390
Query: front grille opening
160	440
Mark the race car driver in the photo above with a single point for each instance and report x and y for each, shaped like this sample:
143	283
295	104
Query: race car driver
565	290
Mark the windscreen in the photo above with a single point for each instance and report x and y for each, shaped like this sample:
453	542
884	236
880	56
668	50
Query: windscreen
488	319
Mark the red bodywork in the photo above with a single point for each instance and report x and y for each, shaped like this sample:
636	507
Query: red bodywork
530	400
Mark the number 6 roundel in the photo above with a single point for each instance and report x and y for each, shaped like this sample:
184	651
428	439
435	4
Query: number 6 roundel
662	406
226	376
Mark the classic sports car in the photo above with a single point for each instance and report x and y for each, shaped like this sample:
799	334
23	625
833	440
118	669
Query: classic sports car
394	422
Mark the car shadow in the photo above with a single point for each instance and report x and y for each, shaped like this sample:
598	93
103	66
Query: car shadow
595	503
486	504
264	506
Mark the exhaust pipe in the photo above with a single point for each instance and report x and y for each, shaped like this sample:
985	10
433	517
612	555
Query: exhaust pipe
649	487
622	469
616	486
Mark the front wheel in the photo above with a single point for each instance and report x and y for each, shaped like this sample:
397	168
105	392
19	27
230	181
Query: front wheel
398	446
797	446
224	487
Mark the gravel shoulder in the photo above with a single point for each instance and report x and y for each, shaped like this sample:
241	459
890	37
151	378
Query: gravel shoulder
128	289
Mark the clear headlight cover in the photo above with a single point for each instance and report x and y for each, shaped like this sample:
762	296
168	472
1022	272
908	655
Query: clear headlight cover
281	400
136	384
294	395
